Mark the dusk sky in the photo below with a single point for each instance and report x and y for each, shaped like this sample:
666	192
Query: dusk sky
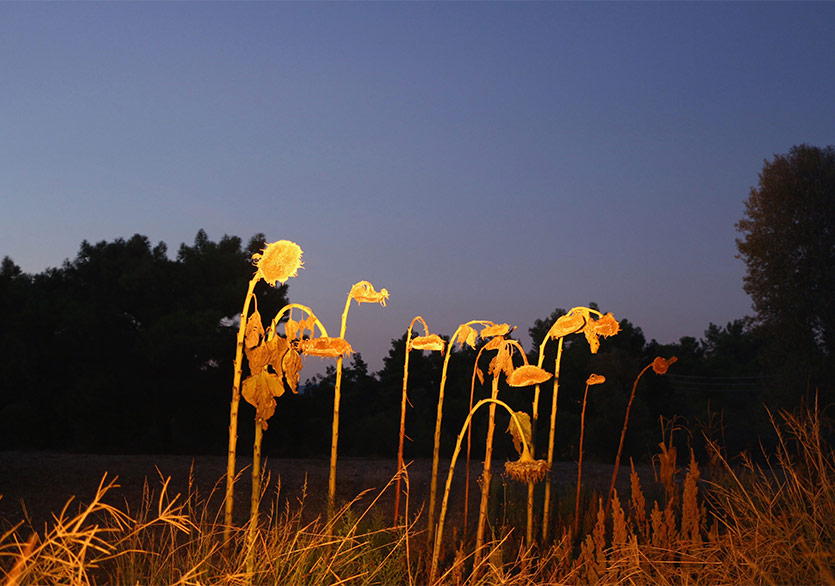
479	160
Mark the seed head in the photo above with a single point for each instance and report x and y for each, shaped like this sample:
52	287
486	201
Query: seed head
278	261
364	292
325	347
527	375
595	379
526	469
432	342
660	365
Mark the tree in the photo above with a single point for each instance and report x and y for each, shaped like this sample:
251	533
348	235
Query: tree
788	246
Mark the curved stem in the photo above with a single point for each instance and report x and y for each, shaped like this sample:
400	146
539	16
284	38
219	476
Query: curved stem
291	306
623	435
433	486
403	400
233	419
469	447
440	533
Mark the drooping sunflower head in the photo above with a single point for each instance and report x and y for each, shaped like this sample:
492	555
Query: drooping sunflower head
363	292
527	375
325	347
431	342
595	379
526	469
278	261
660	365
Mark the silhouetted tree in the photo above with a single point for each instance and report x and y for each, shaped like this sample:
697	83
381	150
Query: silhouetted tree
788	246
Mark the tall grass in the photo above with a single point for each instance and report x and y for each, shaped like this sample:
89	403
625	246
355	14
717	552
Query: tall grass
768	522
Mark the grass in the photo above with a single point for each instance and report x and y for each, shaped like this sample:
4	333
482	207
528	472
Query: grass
766	520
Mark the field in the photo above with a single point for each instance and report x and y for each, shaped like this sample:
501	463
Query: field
751	523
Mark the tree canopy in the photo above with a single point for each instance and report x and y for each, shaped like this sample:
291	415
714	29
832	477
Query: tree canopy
788	246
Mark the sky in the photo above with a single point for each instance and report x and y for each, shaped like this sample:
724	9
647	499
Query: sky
480	160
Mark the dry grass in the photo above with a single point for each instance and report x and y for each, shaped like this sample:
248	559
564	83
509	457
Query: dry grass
755	523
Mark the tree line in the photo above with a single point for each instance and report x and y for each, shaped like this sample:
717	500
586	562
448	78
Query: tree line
124	349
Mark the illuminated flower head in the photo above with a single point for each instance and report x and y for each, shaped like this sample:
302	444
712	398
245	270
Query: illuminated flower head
527	375
432	342
660	365
496	330
364	292
526	469
606	326
595	379
278	261
325	347
567	324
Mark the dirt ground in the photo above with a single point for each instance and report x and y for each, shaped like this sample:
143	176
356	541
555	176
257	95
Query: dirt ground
35	485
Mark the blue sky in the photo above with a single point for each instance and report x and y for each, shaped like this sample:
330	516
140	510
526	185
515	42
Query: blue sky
479	160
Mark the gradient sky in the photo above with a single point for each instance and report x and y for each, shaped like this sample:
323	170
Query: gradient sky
479	160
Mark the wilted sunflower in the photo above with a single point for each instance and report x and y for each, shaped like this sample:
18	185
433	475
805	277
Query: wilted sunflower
567	324
495	330
595	379
526	469
364	292
325	347
660	365
432	342
527	375
606	326
278	261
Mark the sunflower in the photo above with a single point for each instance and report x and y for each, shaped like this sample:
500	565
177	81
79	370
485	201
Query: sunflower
432	342
364	292
660	365
526	469
595	379
528	375
278	261
325	347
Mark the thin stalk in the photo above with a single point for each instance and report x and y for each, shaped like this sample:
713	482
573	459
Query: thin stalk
433	485
401	468
486	475
335	430
580	462
254	499
469	448
534	420
623	435
547	505
440	533
233	420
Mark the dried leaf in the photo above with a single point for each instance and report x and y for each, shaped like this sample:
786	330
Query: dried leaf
258	390
278	347
254	330
503	361
527	375
493	344
525	422
257	357
292	368
480	374
605	326
467	335
291	329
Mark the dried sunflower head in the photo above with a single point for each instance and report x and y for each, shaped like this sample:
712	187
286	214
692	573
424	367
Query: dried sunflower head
595	379
495	330
527	375
325	347
364	292
432	342
605	326
567	324
526	469
278	261
660	365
